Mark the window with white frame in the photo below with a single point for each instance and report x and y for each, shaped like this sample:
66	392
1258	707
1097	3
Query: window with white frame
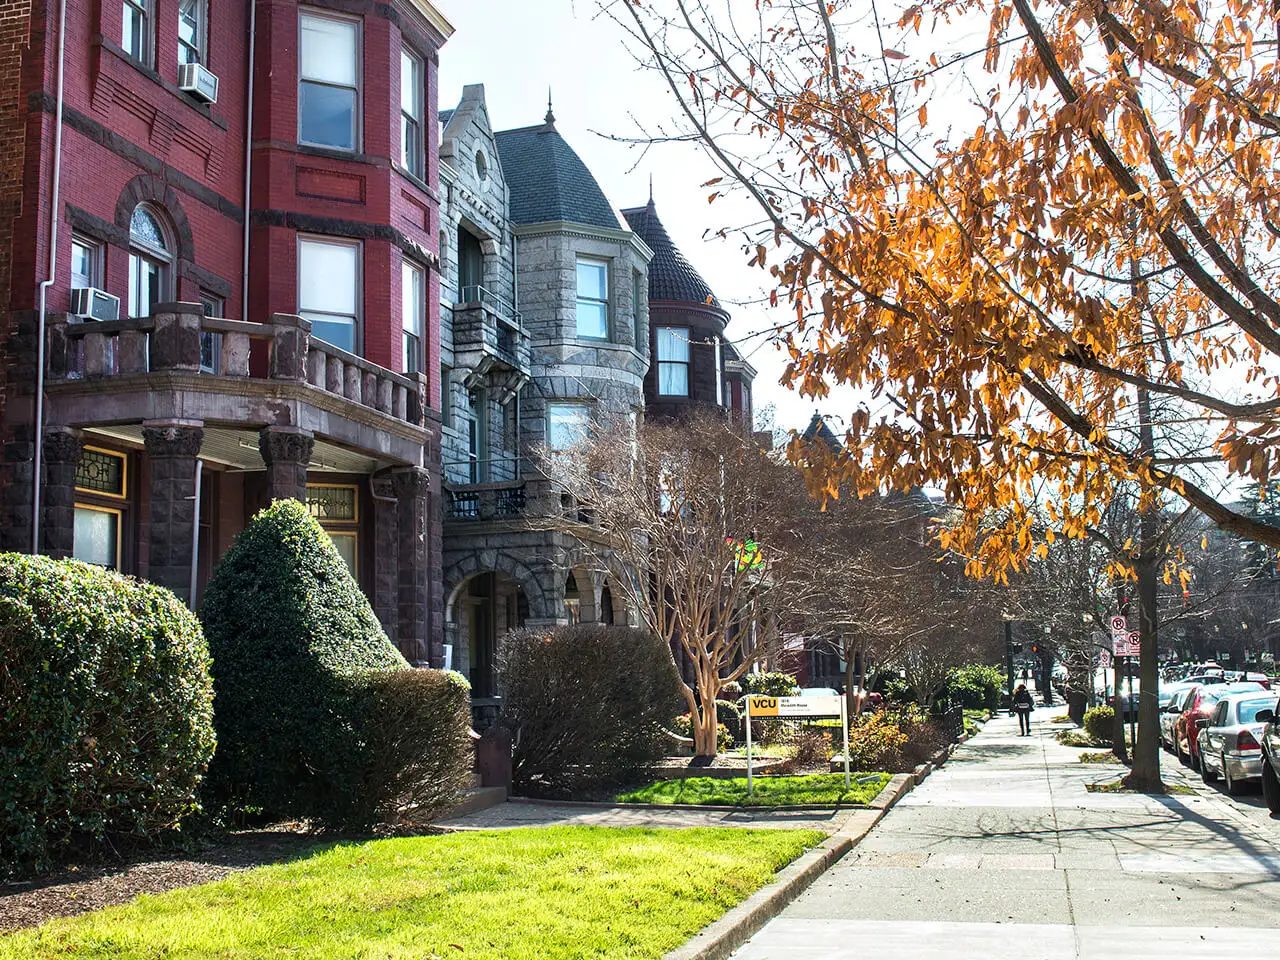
329	289
673	361
412	147
193	28
593	298
328	81
150	261
136	31
86	262
567	425
413	305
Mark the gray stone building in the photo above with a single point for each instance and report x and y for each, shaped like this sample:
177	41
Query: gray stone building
544	329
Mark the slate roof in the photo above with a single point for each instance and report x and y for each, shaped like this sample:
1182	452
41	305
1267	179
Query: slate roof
444	116
819	431
671	276
548	182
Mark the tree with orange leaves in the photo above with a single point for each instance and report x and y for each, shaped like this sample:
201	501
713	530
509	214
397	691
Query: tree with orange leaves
1043	234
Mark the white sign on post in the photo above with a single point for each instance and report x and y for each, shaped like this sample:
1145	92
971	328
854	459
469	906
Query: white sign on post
1126	644
797	707
1118	625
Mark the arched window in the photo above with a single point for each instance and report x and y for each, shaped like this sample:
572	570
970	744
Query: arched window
150	260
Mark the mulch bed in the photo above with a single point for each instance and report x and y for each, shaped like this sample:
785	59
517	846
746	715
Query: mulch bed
79	889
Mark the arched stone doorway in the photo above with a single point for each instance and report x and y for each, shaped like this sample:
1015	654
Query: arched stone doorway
481	610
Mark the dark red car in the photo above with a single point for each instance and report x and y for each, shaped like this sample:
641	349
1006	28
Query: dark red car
1198	705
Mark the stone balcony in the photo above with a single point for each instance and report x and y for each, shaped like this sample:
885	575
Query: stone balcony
488	338
179	364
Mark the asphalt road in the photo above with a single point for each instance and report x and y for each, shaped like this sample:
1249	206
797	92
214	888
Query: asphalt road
1003	853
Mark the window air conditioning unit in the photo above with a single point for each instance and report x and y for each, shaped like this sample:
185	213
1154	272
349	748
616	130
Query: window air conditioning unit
94	304
197	80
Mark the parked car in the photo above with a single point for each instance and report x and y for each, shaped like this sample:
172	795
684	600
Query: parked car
1198	705
1270	758
1169	690
1231	739
1261	678
1169	714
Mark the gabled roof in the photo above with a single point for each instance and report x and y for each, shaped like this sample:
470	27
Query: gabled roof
444	116
548	182
671	276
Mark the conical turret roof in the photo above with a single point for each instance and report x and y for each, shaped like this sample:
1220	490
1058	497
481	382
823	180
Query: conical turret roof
671	276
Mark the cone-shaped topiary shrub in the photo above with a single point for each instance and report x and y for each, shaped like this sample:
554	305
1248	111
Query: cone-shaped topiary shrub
589	706
106	710
291	637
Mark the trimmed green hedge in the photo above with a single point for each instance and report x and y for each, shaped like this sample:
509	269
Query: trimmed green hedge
416	737
976	687
774	684
290	633
1099	723
107	710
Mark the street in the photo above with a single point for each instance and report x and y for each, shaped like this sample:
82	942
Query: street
1003	853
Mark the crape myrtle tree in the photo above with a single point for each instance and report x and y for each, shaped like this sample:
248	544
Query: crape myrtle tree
1041	233
702	520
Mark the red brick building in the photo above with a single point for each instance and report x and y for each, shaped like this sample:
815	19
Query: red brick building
216	337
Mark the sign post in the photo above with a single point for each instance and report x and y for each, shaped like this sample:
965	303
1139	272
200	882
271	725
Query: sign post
798	708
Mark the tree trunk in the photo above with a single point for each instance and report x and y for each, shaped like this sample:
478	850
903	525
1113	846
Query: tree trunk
1145	774
1117	727
704	718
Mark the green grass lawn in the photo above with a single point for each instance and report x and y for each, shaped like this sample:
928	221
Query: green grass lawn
823	788
544	893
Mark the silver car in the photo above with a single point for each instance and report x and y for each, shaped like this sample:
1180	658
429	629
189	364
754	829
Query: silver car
1231	739
1170	711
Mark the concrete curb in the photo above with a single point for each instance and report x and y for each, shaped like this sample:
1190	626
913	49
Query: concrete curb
720	939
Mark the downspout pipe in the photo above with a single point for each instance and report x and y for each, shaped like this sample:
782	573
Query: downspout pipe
195	538
248	158
38	456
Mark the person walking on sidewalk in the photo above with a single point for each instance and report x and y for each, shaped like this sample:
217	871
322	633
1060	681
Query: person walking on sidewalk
1023	704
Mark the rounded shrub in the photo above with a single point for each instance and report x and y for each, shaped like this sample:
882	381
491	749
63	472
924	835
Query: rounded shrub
1099	723
775	684
589	706
106	710
416	744
290	634
976	687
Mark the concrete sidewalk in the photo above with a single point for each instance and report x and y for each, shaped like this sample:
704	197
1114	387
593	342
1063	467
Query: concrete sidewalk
1003	853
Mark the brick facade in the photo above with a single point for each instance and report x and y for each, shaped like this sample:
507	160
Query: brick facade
273	408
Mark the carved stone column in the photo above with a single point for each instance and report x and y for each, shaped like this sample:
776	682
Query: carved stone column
386	555
62	449
413	488
172	448
287	451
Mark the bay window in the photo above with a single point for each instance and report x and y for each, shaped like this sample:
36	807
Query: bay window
593	298
412	152
673	361
413	304
329	289
328	81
